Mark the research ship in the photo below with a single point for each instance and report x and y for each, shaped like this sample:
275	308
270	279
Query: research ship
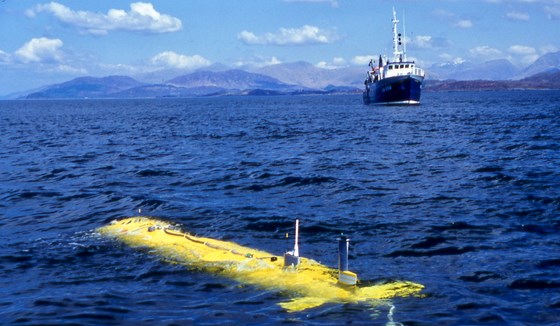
397	81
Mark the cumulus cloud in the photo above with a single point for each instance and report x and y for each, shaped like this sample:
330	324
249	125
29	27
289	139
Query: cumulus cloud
427	42
67	69
521	49
423	41
249	38
40	50
44	55
486	52
464	23
525	54
363	59
290	36
451	59
170	59
337	62
272	61
257	62
142	17
515	15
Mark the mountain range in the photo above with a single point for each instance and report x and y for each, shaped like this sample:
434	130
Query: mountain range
301	78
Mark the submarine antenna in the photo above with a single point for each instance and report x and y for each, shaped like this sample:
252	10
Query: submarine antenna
291	258
296	247
345	277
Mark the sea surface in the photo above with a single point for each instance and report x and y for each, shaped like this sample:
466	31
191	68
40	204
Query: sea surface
460	194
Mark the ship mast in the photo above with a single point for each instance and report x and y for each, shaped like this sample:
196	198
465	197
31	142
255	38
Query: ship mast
404	36
397	53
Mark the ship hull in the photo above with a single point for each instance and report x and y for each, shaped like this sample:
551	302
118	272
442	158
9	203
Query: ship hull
399	90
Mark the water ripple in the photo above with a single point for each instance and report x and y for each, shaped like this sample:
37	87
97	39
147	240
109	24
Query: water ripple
459	194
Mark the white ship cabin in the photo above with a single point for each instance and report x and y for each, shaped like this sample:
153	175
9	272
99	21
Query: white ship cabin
394	69
401	68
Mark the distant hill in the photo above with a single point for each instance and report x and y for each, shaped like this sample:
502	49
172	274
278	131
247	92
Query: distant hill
548	79
301	78
493	70
161	76
546	63
164	90
87	87
229	79
199	83
544	80
305	74
489	70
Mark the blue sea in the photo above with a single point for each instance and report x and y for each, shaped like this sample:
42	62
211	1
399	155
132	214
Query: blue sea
460	194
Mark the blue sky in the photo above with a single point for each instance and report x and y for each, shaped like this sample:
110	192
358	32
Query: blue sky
49	42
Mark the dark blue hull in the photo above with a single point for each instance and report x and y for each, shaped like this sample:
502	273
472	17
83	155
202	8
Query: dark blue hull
399	90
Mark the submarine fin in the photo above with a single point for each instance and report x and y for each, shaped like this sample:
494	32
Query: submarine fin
303	303
390	290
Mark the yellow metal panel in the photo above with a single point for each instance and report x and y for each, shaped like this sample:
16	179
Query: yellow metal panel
310	283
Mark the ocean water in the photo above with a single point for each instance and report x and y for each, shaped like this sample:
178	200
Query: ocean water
460	194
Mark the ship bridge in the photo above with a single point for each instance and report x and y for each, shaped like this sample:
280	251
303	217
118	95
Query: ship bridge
401	69
395	69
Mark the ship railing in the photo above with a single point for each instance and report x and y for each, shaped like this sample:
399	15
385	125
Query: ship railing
393	69
403	72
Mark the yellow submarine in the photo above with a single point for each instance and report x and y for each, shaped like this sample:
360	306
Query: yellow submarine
308	283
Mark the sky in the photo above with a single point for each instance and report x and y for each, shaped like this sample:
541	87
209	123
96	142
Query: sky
47	42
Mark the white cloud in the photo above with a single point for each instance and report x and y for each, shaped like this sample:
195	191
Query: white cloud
257	62
515	15
427	42
248	38
464	23
423	41
363	59
45	56
486	52
273	61
40	50
337	62
142	17
451	59
324	65
170	59
523	54
458	60
290	36
529	59
70	70
521	49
